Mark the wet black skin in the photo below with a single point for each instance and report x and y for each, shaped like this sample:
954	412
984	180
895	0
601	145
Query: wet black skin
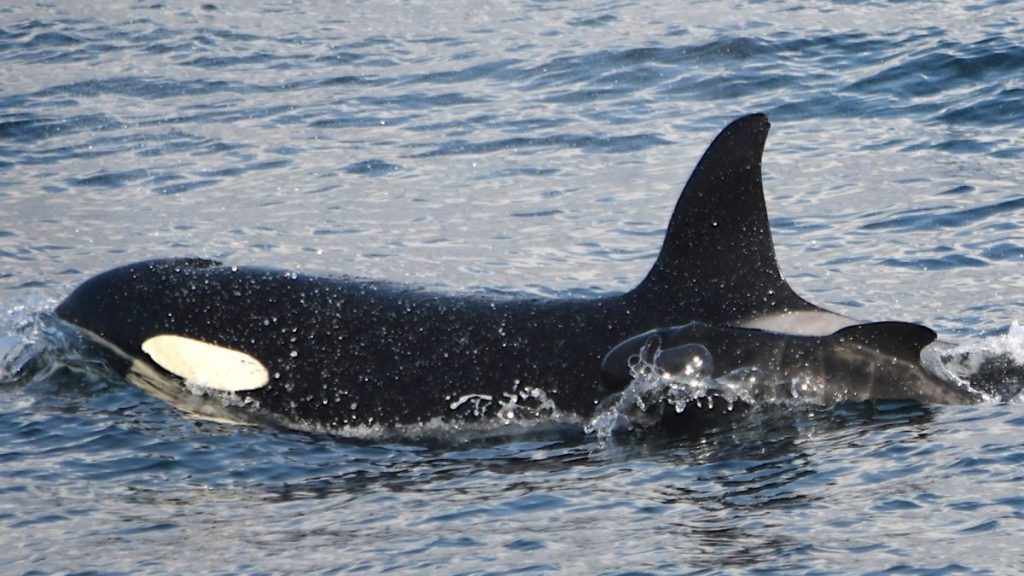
875	361
342	351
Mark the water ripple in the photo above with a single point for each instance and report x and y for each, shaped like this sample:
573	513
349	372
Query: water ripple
315	137
939	218
608	144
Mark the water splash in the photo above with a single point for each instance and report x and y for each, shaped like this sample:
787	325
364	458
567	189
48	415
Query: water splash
994	366
32	343
667	379
526	404
521	404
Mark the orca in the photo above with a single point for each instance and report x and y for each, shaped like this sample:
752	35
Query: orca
872	361
337	352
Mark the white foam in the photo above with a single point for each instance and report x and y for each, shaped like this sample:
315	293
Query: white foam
991	367
641	403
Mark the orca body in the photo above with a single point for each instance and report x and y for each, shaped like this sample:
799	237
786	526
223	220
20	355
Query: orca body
337	352
875	361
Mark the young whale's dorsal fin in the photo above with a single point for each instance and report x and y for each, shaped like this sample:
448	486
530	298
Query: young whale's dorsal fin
718	262
901	339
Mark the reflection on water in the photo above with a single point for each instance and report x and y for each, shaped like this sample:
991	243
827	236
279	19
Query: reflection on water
509	147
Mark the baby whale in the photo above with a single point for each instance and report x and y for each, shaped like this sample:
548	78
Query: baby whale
337	352
874	361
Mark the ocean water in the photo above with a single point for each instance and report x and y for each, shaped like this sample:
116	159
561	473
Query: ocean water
531	148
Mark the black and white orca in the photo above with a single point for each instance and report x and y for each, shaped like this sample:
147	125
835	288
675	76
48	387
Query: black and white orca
337	352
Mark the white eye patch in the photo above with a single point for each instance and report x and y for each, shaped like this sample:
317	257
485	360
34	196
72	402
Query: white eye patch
206	365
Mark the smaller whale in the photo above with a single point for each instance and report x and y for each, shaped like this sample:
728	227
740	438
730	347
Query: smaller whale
874	361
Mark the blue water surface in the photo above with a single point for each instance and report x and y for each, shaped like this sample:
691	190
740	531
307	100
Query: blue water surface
531	148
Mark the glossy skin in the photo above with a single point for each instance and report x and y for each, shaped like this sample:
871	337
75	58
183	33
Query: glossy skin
344	352
879	361
348	353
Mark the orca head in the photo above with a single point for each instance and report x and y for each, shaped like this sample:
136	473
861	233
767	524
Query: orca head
673	350
717	264
128	310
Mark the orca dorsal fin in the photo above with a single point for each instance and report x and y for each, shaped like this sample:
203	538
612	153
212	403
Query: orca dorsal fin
718	262
901	339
